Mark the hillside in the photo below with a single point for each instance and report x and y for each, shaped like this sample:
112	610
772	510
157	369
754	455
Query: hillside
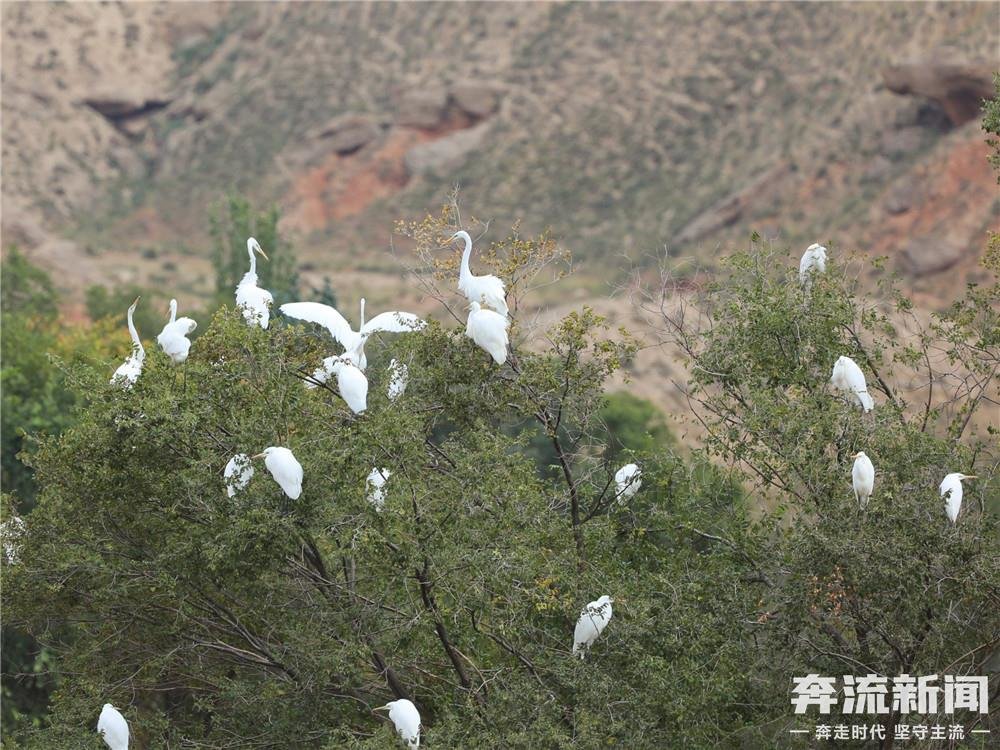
622	127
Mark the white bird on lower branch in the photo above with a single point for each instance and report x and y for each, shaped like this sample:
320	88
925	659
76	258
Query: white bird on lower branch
594	618
405	717
285	469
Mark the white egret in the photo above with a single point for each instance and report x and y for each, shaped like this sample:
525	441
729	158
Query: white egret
284	468
238	473
848	378
489	330
628	480
399	377
406	718
11	531
254	302
813	262
594	618
376	487
173	339
128	372
485	290
951	493
863	477
113	728
340	329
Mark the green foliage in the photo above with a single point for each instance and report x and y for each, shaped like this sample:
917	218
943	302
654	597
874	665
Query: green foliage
232	222
211	620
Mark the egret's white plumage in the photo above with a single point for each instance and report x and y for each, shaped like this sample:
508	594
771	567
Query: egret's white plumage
173	339
11	531
254	302
238	473
485	290
113	728
340	329
863	478
489	330
951	493
128	372
594	618
399	377
848	378
285	469
628	480
404	715
376	487
813	262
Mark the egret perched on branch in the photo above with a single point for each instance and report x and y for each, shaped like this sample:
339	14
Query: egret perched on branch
485	290
351	381
128	372
848	378
863	477
594	618
284	468
11	531
238	473
254	302
399	377
813	262
352	341
406	718
628	480
113	728
376	487
173	339
489	330
951	493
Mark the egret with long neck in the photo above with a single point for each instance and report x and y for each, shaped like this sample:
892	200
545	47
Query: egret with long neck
252	301
488	290
128	372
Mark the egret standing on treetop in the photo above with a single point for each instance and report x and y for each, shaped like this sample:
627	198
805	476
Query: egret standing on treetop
284	468
254	302
951	493
863	477
128	372
399	376
238	473
628	480
406	718
594	618
376	487
848	378
813	262
352	341
485	290
489	330
173	338
113	728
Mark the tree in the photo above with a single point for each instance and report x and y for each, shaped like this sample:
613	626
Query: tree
893	589
231	222
215	620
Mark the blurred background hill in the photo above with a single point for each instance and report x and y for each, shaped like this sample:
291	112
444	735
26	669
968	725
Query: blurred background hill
630	130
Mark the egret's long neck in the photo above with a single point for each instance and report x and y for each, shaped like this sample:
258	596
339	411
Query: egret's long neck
136	343
253	261
173	310
362	314
465	272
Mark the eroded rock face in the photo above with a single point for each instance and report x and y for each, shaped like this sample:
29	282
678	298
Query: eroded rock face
924	255
447	152
476	98
958	87
423	107
348	132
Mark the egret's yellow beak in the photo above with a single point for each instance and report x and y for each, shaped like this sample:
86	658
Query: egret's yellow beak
259	455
